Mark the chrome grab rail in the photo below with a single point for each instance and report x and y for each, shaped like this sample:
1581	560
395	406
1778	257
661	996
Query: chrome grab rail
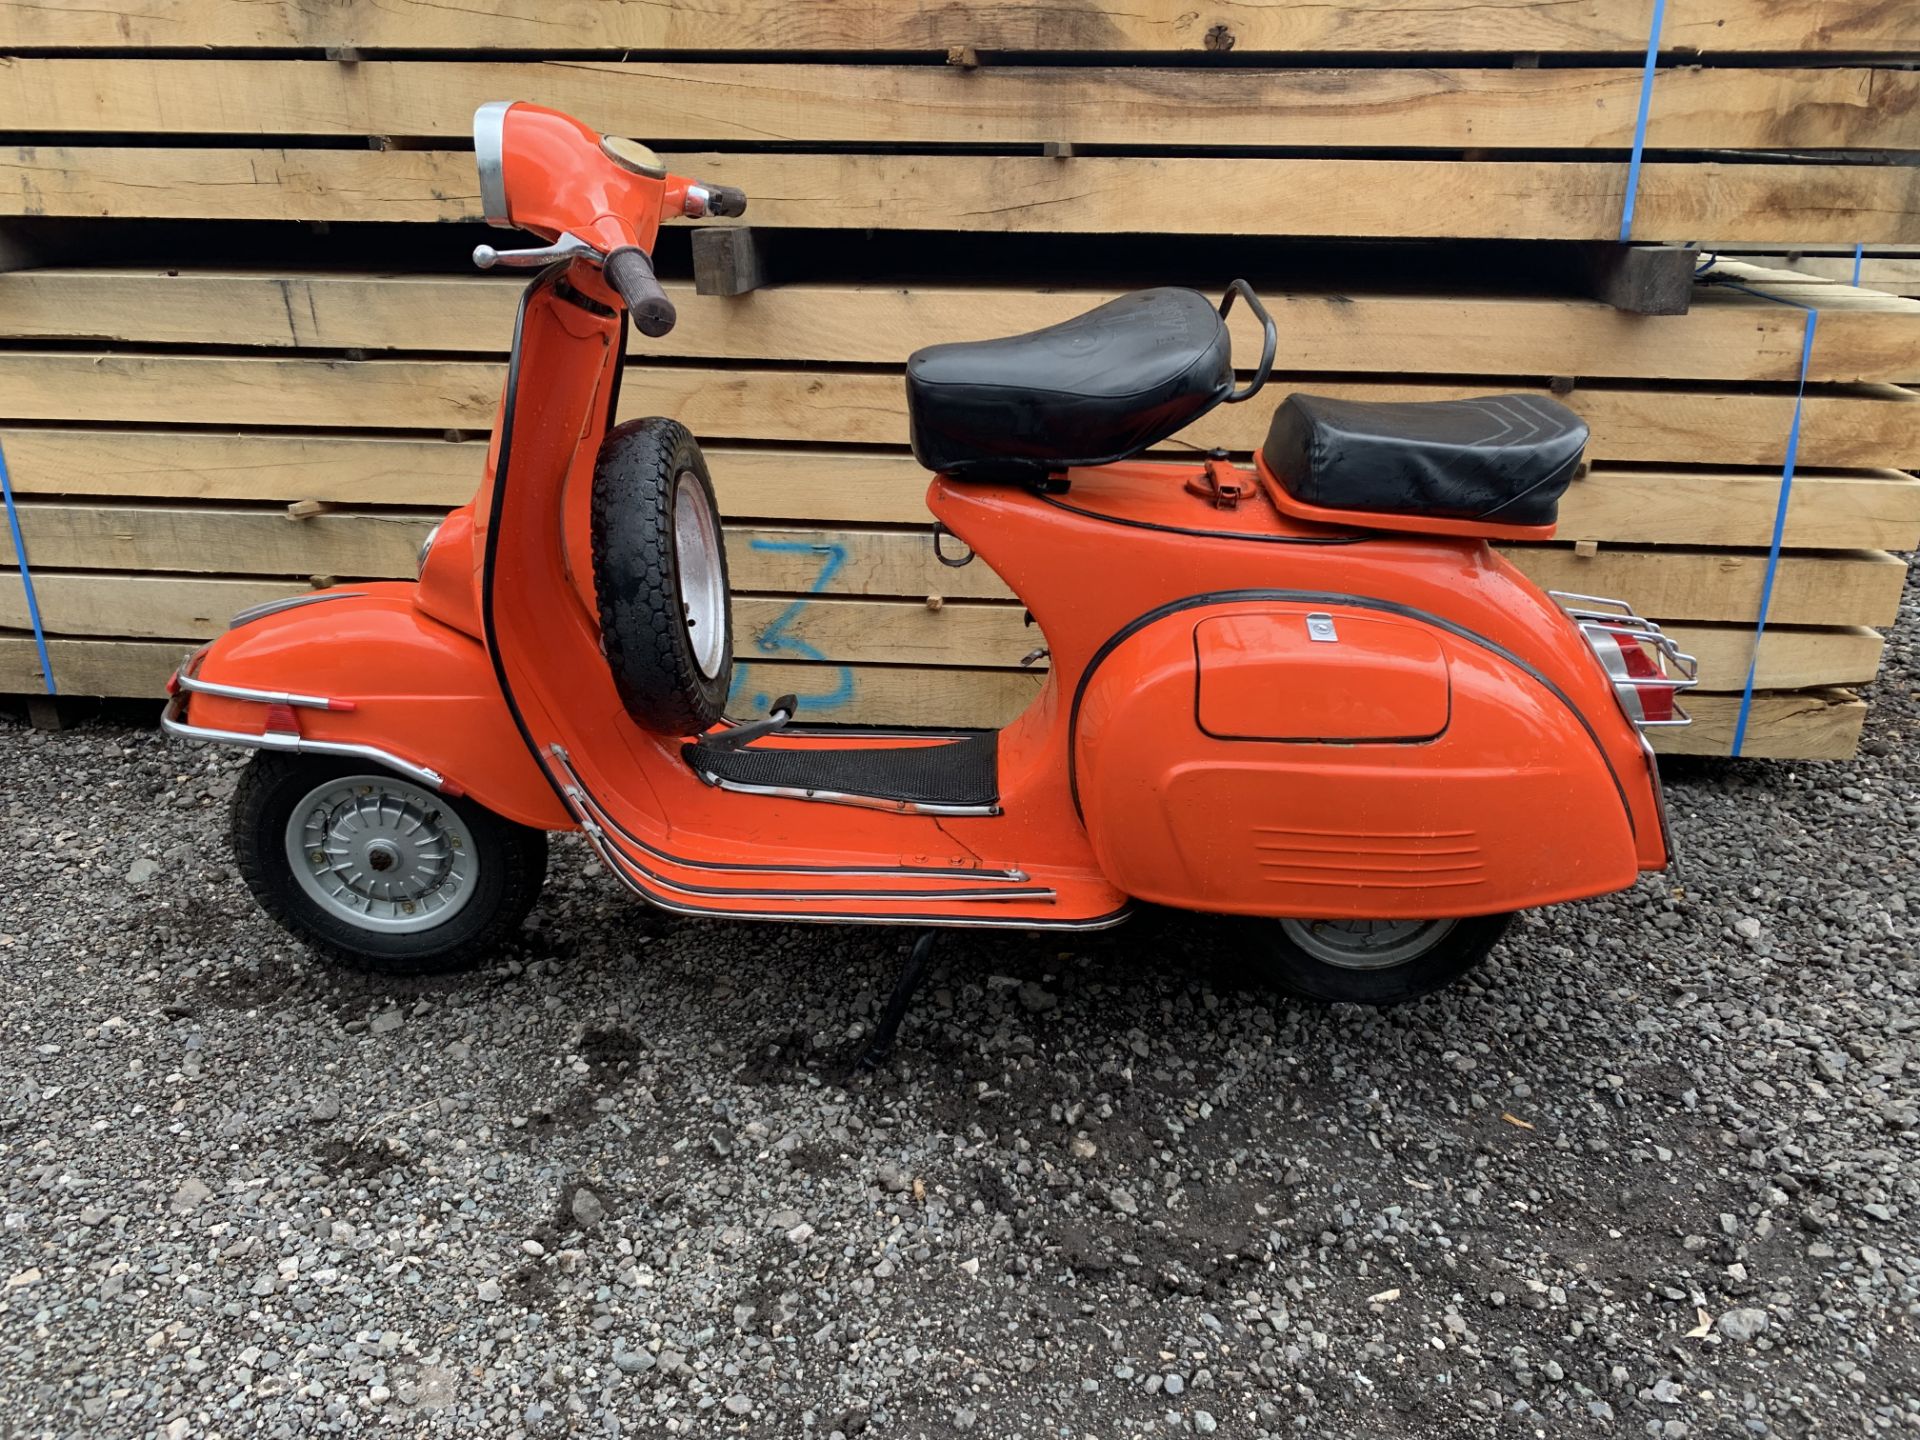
1600	615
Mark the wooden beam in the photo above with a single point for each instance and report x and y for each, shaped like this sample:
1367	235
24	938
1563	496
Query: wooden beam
931	26
383	544
1435	199
1818	725
1860	425
1639	279
1820	588
1892	274
1613	506
1867	509
1729	334
1725	584
732	261
1791	657
676	101
1784	725
201	465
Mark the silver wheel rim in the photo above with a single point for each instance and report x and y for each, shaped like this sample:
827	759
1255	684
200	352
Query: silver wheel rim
381	853
1367	944
703	590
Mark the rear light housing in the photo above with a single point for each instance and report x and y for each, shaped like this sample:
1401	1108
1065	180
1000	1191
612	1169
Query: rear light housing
1647	668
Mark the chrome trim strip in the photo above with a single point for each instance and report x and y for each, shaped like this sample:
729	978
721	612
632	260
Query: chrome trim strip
826	730
489	157
291	602
595	820
291	744
835	797
618	869
844	872
243	692
1660	809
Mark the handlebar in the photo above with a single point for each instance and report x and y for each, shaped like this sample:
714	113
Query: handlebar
726	200
630	272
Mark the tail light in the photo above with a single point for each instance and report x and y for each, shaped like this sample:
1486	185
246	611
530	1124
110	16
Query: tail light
1647	668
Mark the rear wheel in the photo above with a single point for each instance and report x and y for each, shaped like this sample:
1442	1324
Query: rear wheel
377	872
1379	962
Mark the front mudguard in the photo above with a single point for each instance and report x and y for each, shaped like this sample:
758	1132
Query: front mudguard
361	672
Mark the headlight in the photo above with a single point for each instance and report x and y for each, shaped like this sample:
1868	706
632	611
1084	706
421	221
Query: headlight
426	549
489	154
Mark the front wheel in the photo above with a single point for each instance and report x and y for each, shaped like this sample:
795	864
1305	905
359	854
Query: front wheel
1378	962
377	872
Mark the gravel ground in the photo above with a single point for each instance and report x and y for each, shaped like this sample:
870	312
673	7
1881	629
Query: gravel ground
1652	1171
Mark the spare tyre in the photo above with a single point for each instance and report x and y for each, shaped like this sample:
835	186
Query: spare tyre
660	576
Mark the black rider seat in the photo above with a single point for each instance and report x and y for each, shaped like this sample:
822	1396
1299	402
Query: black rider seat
1495	460
1097	388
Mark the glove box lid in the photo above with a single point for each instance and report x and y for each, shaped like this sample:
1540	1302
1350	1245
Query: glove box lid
1334	676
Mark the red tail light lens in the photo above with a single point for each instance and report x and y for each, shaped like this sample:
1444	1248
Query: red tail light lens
1647	669
1649	702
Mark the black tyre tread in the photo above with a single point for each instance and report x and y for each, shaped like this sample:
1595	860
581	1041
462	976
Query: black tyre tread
513	872
636	581
1307	978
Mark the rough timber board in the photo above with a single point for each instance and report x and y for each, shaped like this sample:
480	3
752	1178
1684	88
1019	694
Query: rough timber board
675	101
1439	199
1867	509
1727	335
1816	588
1784	725
1874	425
1813	725
1849	510
1894	274
1502	26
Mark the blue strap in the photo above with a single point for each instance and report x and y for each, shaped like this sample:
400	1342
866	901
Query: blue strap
1779	517
1640	123
1858	250
26	575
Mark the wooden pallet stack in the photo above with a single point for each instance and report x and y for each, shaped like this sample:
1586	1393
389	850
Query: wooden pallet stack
206	402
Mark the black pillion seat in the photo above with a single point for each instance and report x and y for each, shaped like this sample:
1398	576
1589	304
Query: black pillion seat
1097	388
1493	459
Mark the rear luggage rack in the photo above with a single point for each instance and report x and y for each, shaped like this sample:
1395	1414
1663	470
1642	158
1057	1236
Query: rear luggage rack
1637	656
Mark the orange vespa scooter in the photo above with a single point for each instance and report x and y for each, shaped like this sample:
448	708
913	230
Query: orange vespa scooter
1308	690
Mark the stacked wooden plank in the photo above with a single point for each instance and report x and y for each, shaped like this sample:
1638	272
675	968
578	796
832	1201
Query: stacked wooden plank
161	421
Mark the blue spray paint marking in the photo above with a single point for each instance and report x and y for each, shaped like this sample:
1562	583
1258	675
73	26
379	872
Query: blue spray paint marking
776	638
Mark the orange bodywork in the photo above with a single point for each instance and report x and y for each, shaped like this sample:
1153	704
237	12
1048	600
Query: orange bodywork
1455	749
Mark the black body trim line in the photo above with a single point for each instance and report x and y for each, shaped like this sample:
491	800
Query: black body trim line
1318	597
1059	504
508	408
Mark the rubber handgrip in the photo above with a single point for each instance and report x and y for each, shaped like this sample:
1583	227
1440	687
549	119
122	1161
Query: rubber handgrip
726	200
630	271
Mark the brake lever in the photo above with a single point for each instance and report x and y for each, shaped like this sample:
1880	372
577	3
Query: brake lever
567	247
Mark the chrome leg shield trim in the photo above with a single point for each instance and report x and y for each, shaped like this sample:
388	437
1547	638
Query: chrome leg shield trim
587	812
835	797
596	822
843	872
292	744
262	697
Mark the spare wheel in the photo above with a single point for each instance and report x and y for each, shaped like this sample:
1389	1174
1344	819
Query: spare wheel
660	577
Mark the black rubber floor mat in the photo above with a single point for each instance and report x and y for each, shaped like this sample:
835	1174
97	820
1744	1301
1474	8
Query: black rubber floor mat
960	772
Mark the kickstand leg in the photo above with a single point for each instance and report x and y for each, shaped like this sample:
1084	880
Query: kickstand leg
914	972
